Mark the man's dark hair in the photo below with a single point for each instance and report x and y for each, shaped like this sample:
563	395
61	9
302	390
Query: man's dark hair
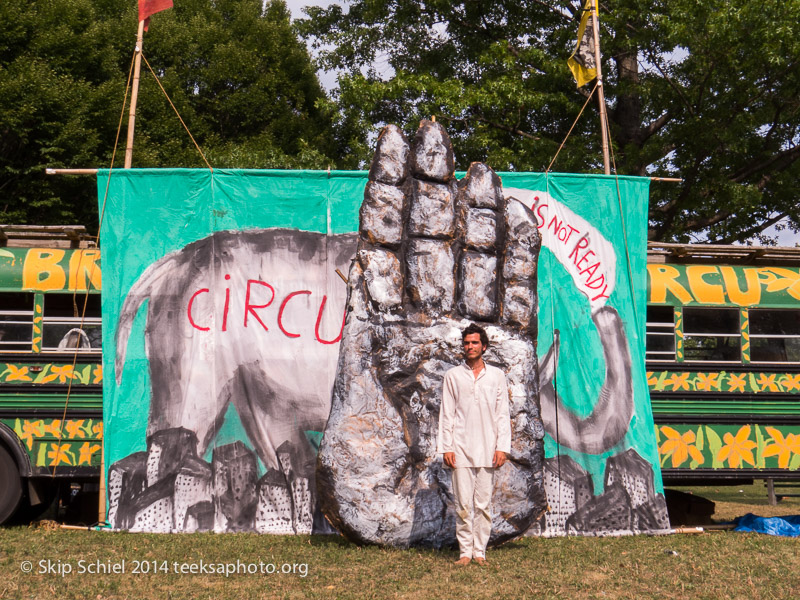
475	329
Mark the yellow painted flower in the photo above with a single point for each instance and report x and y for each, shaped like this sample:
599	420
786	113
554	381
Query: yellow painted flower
17	373
62	373
780	447
87	450
54	427
768	383
738	449
736	383
791	382
792	442
681	446
707	382
30	430
60	455
678	381
97	429
97	374
75	429
651	380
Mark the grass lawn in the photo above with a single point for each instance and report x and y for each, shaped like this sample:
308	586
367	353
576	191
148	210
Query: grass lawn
710	565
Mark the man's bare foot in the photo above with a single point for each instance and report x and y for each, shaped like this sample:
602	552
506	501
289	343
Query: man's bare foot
482	561
463	561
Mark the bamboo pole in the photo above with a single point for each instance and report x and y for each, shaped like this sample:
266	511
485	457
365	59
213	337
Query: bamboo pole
50	171
687	530
101	504
134	96
94	172
101	500
601	98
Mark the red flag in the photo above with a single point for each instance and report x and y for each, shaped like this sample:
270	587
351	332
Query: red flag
151	7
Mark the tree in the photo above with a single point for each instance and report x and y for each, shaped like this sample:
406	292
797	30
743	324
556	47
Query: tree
235	70
707	91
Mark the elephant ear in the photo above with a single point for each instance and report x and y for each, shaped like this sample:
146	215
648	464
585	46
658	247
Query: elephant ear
147	284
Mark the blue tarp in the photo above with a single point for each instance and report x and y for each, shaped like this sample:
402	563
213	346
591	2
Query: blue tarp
783	526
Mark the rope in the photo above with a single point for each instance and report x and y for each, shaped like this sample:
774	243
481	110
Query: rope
575	122
624	230
552	307
93	267
627	261
158	81
555	358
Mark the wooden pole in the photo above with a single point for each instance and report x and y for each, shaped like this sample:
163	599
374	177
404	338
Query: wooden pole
134	96
137	67
50	171
601	98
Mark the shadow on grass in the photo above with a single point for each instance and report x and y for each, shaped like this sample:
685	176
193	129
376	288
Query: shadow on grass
331	540
735	501
338	541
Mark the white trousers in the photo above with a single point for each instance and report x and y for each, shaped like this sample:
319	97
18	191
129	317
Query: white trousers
472	488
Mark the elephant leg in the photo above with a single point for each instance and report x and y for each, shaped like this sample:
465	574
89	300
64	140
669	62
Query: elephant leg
275	420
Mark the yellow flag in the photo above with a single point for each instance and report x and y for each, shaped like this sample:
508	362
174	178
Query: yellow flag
581	63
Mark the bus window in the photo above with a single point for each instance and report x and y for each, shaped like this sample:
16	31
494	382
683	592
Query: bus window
774	335
711	334
16	322
62	329
660	342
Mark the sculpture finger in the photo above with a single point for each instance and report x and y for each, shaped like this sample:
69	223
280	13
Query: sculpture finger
480	207
381	219
430	277
522	243
432	154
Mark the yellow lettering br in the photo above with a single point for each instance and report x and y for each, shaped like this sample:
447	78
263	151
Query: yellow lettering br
84	266
41	271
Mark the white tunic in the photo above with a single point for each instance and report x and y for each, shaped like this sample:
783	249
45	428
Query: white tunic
474	419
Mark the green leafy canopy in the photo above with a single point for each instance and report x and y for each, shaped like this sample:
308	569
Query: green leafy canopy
235	70
707	91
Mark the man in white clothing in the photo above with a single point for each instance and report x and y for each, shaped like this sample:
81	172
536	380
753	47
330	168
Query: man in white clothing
474	438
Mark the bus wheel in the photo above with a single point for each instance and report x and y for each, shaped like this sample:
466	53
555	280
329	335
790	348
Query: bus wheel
10	485
46	490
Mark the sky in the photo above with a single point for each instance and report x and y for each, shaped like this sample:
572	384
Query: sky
327	79
296	5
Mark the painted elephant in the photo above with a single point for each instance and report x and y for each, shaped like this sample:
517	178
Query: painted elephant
244	318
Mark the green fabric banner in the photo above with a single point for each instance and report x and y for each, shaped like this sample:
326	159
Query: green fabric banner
222	308
576	280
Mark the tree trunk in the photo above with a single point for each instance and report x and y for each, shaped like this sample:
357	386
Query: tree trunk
627	115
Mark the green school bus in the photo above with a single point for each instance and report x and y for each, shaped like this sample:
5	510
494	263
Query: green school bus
723	361
51	412
723	367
